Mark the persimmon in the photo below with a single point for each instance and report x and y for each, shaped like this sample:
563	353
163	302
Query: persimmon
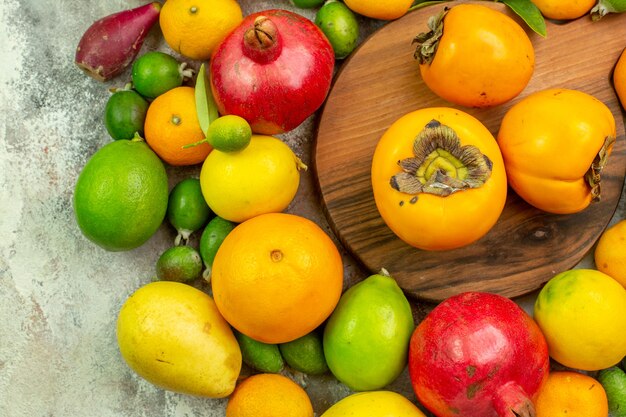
555	143
475	56
438	178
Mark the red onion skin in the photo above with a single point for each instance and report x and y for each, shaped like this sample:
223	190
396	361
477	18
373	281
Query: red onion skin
275	91
110	44
478	355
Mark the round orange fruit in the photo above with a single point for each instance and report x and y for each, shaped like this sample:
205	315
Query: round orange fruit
171	124
571	394
276	277
269	395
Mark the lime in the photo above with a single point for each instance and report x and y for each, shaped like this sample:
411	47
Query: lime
156	72
124	114
613	380
305	354
264	357
211	239
582	314
229	133
307	4
340	26
120	197
179	263
187	210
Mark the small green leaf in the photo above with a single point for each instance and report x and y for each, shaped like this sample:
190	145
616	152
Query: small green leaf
530	13
205	103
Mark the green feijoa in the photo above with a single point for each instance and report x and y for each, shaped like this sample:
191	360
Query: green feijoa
211	239
613	381
180	264
124	114
340	26
305	354
187	210
261	356
308	4
156	72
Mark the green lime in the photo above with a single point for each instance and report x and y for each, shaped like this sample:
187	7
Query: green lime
340	26
211	239
613	381
120	197
308	4
305	354
179	263
187	210
156	72
229	133
261	356
124	114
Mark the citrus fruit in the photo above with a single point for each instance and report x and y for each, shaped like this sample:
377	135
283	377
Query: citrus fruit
613	381
571	394
179	263
171	124
186	209
366	338
124	114
564	9
264	357
582	313
229	133
305	354
269	395
340	26
383	10
262	178
156	72
194	28
172	335
211	239
610	250
276	277
120	197
374	404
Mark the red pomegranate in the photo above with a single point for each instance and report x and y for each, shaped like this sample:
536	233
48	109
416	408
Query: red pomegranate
478	355
274	70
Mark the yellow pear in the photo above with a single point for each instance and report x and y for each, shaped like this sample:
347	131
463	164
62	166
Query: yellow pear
172	335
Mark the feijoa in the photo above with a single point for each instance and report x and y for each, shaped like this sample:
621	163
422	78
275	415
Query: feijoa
211	239
156	72
180	264
187	210
340	26
305	354
308	4
125	114
264	357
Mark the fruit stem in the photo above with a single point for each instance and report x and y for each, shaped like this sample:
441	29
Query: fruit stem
593	174
184	71
262	42
427	42
137	138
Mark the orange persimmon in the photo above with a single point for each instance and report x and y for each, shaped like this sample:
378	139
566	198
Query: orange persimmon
438	178
555	143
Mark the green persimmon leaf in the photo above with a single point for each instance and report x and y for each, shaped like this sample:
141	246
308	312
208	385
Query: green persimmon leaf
205	103
529	13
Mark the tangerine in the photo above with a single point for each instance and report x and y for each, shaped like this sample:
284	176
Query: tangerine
194	28
571	394
277	277
269	395
171	124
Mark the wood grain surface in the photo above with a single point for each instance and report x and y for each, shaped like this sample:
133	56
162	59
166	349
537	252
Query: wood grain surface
381	82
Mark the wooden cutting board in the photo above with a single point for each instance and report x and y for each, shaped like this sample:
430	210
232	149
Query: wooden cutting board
380	82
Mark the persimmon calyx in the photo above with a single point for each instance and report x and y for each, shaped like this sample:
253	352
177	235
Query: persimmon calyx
427	42
440	165
599	162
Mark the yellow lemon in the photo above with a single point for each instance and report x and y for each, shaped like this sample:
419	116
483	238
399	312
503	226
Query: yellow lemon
383	10
262	178
582	314
374	404
609	253
194	28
